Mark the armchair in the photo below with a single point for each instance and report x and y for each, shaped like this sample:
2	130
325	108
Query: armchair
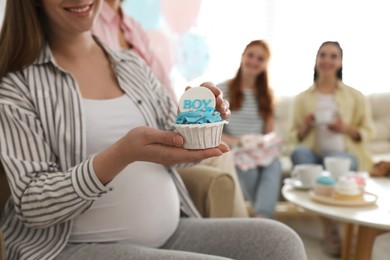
214	187
210	189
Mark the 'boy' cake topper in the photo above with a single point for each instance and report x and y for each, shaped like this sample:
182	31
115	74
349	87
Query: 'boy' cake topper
197	98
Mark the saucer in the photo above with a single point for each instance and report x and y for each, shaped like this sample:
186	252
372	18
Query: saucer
368	199
297	184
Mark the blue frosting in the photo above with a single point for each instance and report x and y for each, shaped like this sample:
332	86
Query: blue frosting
326	180
199	116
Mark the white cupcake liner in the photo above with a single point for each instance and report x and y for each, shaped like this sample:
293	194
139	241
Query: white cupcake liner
201	136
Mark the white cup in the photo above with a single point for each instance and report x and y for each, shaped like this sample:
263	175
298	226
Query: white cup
337	166
323	117
307	173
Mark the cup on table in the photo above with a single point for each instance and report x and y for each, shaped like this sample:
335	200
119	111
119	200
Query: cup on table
337	166
307	173
323	117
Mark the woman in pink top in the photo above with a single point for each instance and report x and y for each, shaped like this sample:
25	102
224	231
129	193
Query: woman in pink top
118	30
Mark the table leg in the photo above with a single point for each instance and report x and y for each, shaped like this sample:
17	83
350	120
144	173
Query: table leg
347	241
365	241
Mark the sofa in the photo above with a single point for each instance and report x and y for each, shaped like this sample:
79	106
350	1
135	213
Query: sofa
379	146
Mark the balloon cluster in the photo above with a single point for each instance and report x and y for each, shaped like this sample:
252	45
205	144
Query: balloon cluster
168	24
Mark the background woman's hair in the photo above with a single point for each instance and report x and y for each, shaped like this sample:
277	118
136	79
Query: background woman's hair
21	37
264	95
340	71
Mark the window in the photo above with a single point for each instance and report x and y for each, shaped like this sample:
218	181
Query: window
295	30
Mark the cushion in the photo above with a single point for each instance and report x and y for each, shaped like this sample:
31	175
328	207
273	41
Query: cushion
211	190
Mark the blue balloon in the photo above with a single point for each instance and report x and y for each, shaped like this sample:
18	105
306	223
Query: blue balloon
192	56
146	12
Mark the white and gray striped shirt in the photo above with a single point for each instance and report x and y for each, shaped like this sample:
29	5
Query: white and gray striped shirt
43	149
247	119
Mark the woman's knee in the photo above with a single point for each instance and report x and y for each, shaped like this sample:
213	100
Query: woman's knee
275	165
273	171
278	241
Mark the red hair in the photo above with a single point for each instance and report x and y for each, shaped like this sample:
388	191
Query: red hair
263	92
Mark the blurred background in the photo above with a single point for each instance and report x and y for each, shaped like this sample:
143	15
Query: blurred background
202	40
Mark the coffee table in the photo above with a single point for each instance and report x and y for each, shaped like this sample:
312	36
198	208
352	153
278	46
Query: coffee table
368	220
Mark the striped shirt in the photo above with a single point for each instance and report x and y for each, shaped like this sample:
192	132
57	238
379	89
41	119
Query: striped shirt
247	119
43	149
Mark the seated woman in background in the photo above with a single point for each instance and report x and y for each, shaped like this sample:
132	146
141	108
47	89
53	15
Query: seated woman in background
252	106
88	150
348	128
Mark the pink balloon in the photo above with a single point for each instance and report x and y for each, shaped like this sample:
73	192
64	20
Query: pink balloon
180	15
163	48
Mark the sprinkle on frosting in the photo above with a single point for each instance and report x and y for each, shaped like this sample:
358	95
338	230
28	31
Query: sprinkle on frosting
199	116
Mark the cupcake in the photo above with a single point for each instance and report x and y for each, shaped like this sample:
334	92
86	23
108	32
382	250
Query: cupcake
198	122
360	180
324	186
347	189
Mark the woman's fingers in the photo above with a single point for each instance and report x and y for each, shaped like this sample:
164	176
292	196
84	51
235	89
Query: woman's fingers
217	92
180	155
165	147
222	105
170	155
156	136
224	148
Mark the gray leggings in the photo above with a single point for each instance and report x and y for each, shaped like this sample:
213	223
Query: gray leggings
205	239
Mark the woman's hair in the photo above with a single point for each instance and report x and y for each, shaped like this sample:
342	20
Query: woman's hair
340	71
264	95
21	37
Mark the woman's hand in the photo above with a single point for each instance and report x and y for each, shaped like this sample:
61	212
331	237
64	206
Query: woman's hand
222	105
307	126
309	120
165	147
339	126
150	145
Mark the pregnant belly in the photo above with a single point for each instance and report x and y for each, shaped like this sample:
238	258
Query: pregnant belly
143	209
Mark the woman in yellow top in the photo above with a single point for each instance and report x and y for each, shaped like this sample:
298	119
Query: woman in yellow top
331	119
346	109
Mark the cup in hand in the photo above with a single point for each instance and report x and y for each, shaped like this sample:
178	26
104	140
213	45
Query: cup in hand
337	166
307	173
323	117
